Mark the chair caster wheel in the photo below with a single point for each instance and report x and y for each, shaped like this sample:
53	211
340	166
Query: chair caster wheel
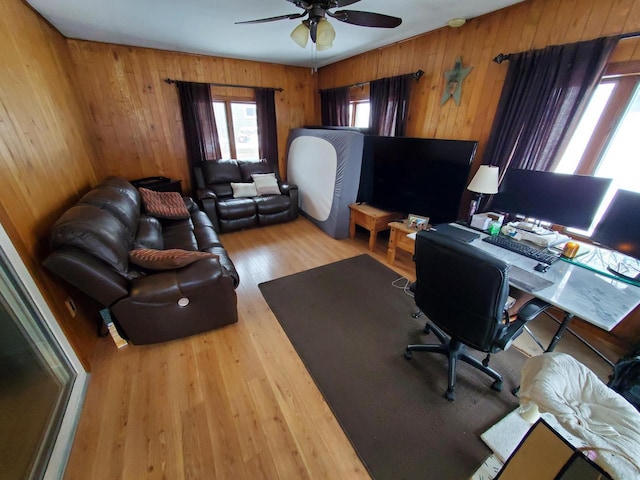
426	330
450	395
497	386
417	314
408	355
485	362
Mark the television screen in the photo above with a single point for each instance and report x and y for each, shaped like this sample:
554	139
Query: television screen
568	200
421	176
619	227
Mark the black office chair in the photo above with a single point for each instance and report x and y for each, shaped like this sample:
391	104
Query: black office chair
463	291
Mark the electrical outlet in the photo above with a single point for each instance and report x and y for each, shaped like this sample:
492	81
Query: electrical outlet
71	306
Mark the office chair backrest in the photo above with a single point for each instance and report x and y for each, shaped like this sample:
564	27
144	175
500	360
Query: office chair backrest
461	289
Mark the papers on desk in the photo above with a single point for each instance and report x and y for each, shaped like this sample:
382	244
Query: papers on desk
412	236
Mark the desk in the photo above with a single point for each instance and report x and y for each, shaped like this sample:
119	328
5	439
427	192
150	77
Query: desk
577	291
373	219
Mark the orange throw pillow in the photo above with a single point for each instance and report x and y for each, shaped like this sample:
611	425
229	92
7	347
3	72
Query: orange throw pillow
166	259
167	205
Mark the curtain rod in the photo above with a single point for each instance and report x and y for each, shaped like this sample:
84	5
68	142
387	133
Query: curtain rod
174	82
415	75
505	56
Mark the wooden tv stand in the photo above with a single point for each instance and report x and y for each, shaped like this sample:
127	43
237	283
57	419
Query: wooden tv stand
398	239
371	218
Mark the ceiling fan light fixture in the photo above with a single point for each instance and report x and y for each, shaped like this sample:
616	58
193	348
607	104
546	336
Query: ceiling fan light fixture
320	47
325	34
456	22
300	35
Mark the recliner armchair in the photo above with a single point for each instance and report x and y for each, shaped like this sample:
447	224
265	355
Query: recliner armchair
464	291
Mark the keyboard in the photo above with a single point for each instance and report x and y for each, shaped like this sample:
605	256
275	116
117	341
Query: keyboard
509	243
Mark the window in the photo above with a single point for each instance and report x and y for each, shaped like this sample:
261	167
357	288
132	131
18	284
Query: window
359	114
237	126
605	142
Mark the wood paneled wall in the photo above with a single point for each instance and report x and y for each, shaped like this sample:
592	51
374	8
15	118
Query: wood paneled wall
46	150
529	25
136	114
525	26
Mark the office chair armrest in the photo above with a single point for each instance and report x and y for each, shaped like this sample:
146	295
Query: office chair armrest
532	309
526	313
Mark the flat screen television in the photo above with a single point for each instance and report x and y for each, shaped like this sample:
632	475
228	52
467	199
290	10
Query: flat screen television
421	176
619	227
568	200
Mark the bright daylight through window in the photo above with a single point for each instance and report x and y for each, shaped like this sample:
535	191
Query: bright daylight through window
238	137
359	114
605	142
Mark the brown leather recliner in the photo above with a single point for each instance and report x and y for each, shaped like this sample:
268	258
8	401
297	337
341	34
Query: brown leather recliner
227	213
90	249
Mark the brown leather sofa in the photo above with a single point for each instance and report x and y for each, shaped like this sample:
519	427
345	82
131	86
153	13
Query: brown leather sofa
90	249
227	213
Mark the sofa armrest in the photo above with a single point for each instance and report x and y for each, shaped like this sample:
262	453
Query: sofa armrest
203	193
285	187
291	190
88	274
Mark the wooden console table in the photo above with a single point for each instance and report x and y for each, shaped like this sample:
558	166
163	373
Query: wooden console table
398	239
373	219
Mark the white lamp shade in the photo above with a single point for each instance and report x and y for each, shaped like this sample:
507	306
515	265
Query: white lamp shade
325	34
300	35
485	180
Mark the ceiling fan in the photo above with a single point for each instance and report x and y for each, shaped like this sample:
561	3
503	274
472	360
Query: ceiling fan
319	29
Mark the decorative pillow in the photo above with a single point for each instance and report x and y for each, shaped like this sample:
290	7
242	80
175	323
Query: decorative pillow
266	183
244	190
166	259
164	204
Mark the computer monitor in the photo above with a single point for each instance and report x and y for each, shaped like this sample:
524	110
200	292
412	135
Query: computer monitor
568	200
619	227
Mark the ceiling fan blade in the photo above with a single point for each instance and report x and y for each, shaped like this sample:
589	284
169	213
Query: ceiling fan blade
302	4
291	16
344	3
366	19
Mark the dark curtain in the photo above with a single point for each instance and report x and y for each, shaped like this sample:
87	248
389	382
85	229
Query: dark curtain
199	125
267	127
334	105
544	93
389	99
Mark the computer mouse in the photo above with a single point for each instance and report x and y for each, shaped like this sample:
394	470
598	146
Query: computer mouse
541	267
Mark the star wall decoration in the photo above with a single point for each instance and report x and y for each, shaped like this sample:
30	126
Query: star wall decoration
453	82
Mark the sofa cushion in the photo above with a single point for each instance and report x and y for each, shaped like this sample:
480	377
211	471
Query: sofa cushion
250	167
123	186
220	171
272	204
96	232
179	234
266	183
234	208
117	203
164	204
166	259
244	189
149	233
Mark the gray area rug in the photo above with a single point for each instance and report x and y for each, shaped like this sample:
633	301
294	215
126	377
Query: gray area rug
350	326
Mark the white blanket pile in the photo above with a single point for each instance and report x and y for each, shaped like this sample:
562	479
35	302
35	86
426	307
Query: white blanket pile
606	422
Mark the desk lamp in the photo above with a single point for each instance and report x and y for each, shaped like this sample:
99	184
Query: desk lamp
485	181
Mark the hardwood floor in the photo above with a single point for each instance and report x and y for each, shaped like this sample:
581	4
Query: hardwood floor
233	403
